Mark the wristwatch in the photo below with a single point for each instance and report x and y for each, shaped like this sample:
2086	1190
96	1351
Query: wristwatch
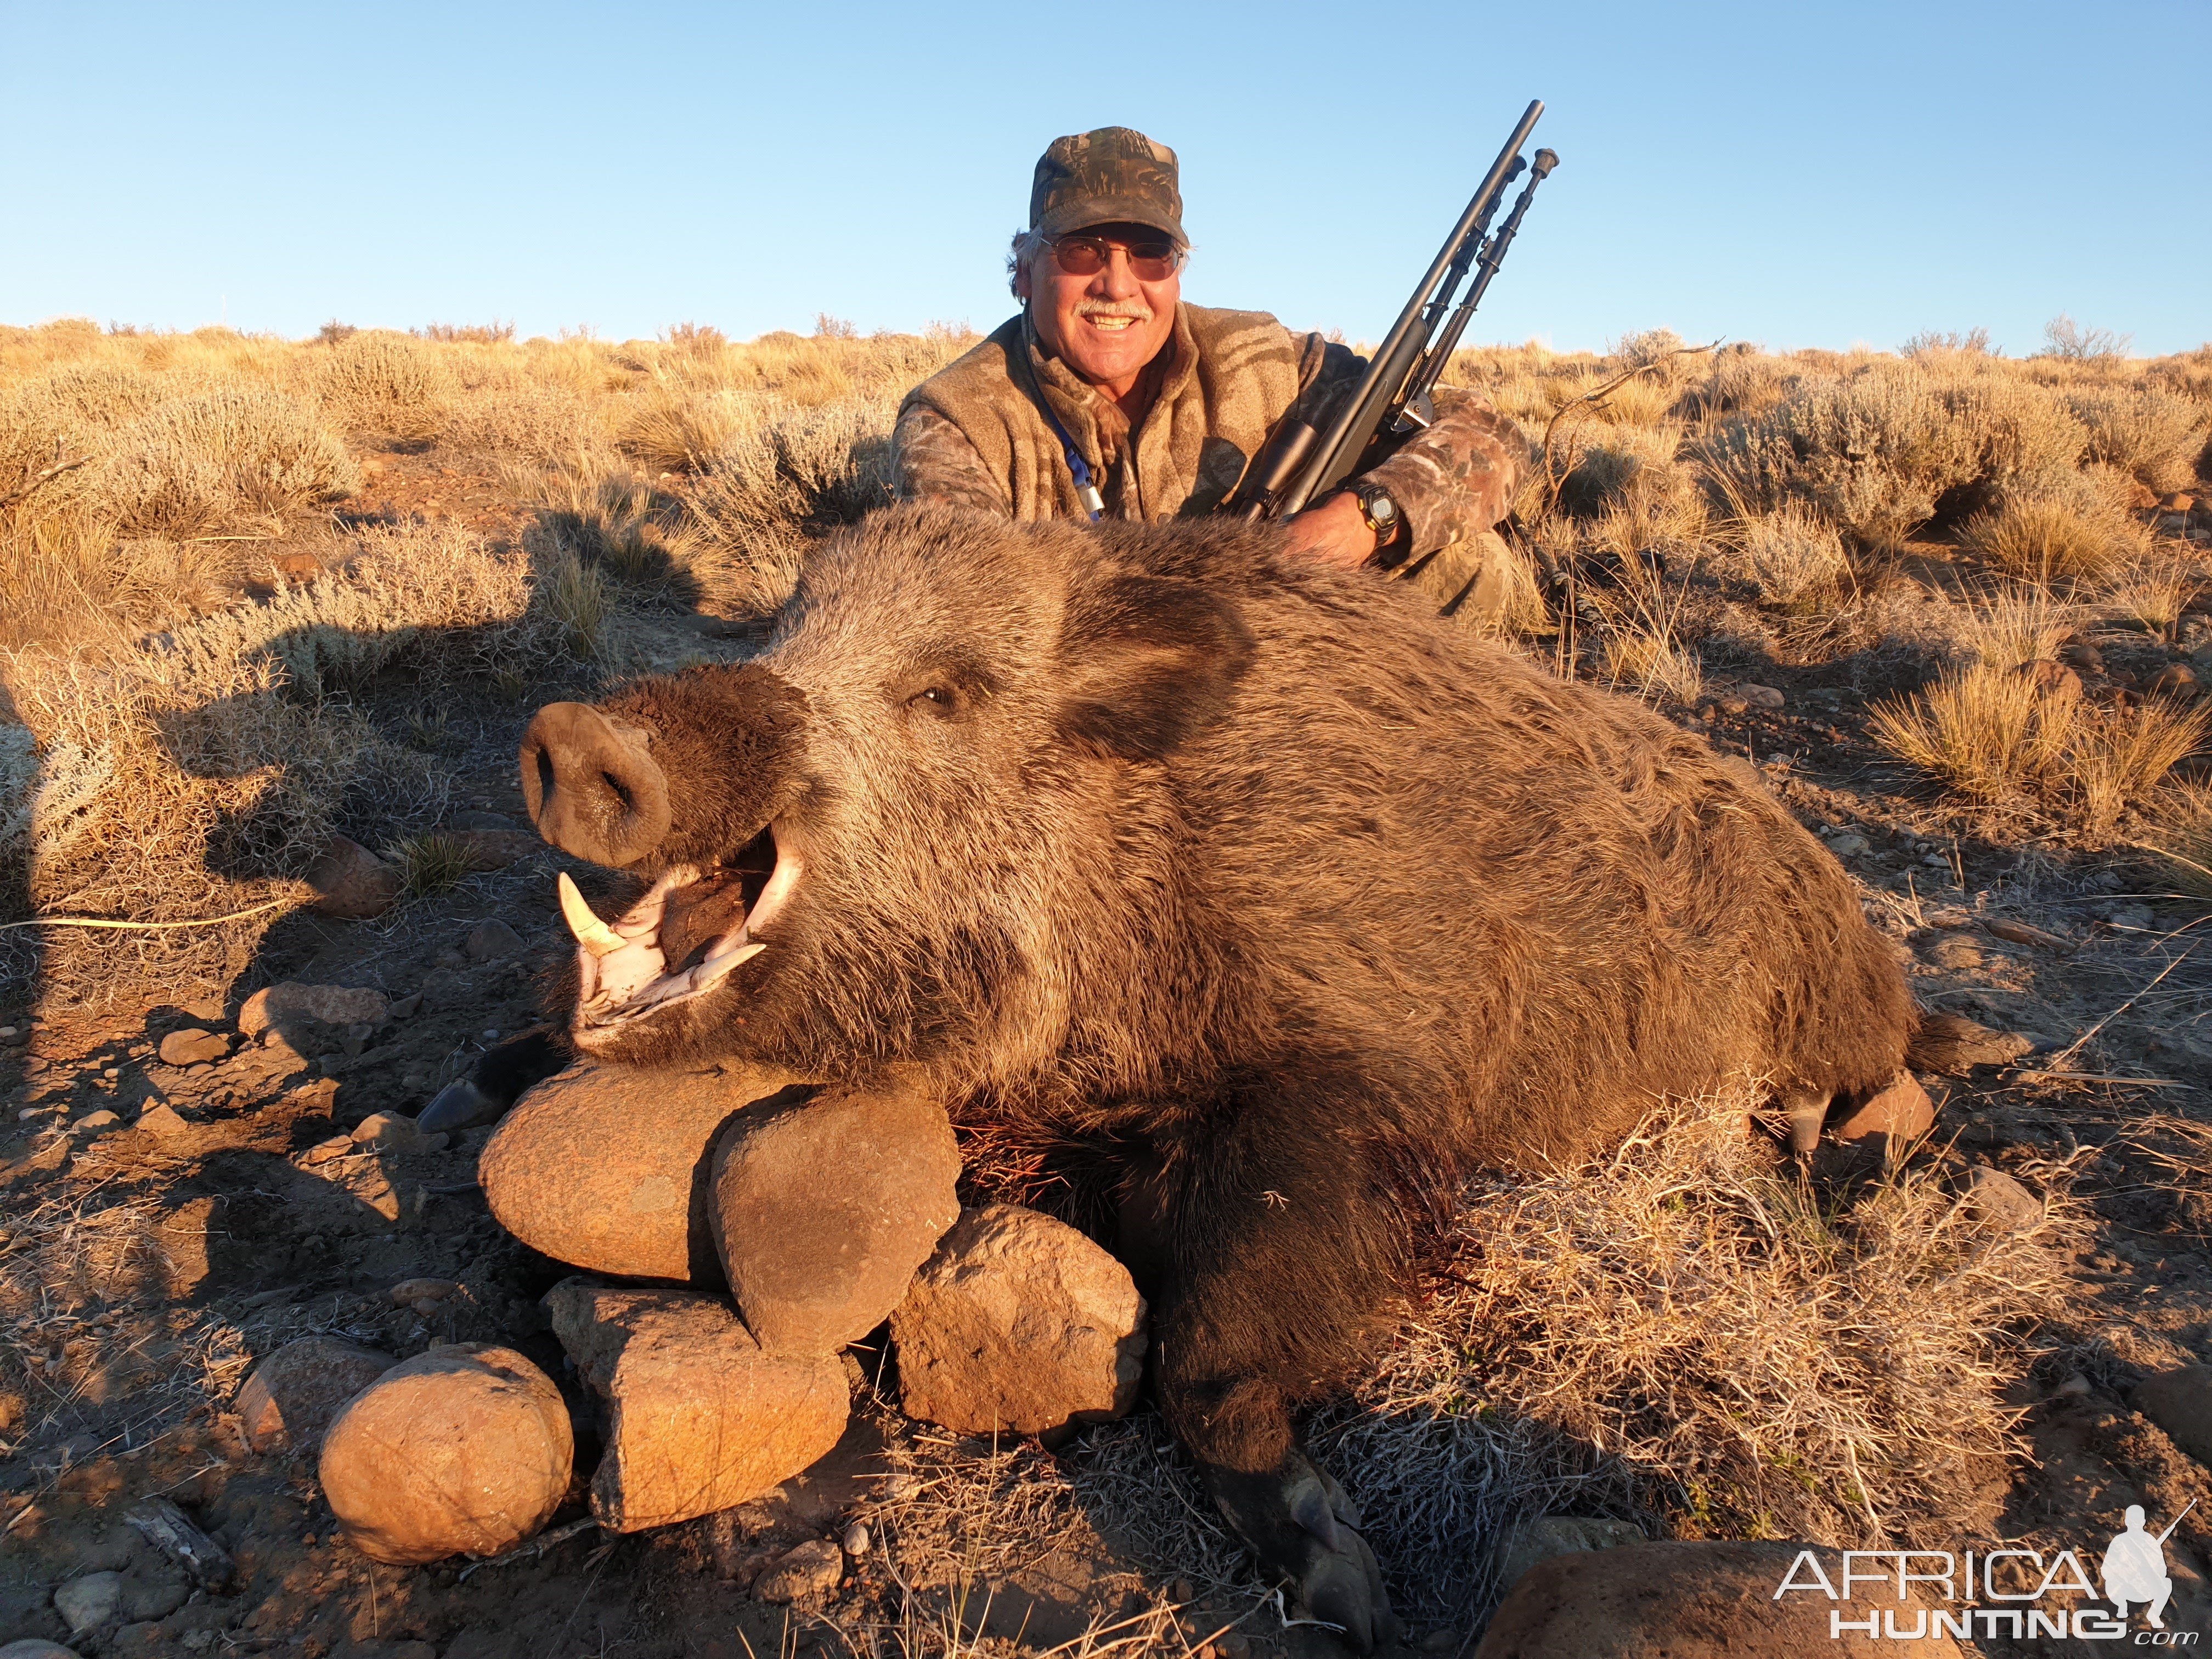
1380	509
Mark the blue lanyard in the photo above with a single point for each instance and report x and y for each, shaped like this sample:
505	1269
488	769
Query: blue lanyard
1085	491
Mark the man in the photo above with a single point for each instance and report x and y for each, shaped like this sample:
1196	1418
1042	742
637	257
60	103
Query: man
1108	395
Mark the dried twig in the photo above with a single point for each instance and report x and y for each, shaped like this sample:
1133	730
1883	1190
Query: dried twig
43	479
1551	480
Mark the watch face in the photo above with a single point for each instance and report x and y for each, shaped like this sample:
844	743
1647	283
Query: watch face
1381	508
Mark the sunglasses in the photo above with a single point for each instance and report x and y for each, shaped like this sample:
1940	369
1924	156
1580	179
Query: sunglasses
1086	256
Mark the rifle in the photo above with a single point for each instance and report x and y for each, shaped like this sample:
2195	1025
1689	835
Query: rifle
1298	462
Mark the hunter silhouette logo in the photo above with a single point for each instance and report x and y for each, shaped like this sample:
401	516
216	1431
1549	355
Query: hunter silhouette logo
1974	1593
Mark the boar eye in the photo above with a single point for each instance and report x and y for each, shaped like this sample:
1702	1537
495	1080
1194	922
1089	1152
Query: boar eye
938	698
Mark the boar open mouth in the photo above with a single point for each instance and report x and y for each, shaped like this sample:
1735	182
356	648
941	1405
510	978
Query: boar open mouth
684	937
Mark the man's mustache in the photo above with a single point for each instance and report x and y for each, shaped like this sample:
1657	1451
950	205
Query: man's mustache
1136	312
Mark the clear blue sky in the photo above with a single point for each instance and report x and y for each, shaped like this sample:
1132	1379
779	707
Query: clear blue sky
1793	175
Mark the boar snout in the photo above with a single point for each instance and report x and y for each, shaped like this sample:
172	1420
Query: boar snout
591	788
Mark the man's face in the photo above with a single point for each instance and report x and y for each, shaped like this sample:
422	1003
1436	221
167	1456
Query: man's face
1106	326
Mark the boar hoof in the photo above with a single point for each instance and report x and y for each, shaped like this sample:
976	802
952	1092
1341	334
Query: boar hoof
1298	1522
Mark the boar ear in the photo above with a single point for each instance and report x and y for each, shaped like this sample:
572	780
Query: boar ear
1146	661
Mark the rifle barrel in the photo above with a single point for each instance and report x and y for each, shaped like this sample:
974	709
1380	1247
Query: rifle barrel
1336	454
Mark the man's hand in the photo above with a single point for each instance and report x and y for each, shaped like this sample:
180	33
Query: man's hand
1334	532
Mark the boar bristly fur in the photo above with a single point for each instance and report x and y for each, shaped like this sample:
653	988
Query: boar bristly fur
1291	897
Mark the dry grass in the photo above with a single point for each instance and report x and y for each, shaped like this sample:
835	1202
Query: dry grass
1794	558
2052	540
2154	436
180	777
387	386
1683	1334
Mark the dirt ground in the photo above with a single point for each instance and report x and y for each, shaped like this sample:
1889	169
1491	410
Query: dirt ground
153	1268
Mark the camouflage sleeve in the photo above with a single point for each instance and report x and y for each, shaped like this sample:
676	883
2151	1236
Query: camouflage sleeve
931	461
1452	481
1459	477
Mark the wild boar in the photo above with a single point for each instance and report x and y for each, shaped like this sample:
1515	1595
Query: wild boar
1286	901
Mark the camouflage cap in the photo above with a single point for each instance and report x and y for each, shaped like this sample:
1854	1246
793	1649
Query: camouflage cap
1112	175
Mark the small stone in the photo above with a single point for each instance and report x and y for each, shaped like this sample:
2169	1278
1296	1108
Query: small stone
1954	1045
856	1540
407	1007
1997	1201
812	1569
88	1602
1759	696
2180	1402
2052	679
2080	654
99	1123
699	1417
2179	501
1233	1646
293	1009
1019	1322
351	881
294	1394
298	566
1850	844
31	1648
1901	1111
163	1122
393	1132
1519	1550
465	1448
409	1292
2076	1386
2177	680
112	1073
605	1167
193	1046
356	1039
816	1264
492	940
324	1150
1180	1592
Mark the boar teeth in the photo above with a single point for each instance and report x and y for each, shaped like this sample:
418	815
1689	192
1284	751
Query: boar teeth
591	932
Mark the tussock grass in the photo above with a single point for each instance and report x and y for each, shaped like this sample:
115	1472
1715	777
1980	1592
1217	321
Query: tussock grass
385	385
430	862
1681	1335
2154	436
2052	540
1794	557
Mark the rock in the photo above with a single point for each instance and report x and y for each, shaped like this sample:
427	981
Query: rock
408	1006
163	1122
811	1570
293	1010
607	1168
1018	1323
99	1123
856	1540
2079	653
2180	1402
1517	1551
2052	679
349	880
192	1046
816	1263
395	1132
294	1394
1701	1601
2179	501
2176	679
1997	1201
31	1648
1901	1111
1954	1045
409	1291
491	940
88	1602
465	1448
1849	844
2076	1386
1759	696
298	567
699	1418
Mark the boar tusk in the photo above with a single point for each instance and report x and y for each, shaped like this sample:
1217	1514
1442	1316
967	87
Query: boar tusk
591	932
